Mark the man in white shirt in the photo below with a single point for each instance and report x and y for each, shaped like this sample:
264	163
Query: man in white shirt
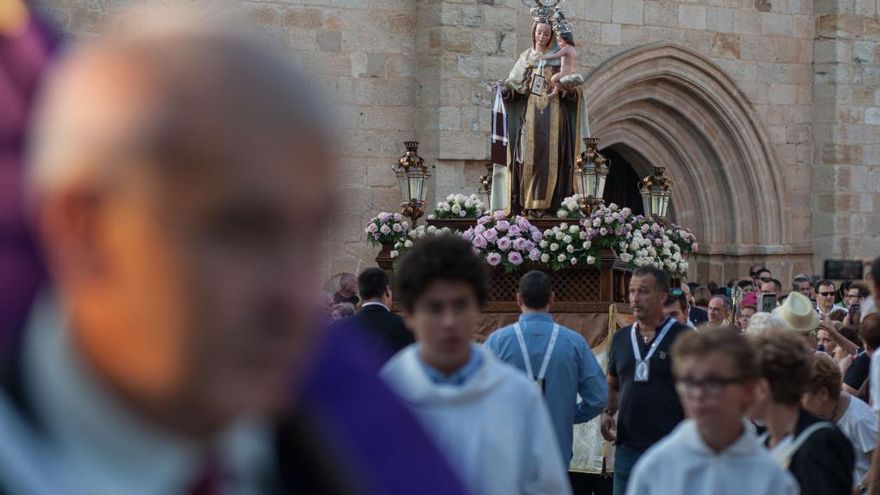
715	450
488	418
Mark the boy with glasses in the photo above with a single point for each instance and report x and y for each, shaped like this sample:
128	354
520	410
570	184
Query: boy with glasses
715	450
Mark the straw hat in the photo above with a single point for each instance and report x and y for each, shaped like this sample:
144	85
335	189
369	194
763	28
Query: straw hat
798	312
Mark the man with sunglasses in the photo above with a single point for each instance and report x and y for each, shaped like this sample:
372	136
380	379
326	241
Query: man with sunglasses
825	294
714	451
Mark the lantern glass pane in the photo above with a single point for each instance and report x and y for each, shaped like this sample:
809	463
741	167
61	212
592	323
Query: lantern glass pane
404	186
416	187
600	186
646	202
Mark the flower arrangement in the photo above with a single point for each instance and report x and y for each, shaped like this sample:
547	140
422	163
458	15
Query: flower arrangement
570	207
511	242
415	234
459	206
650	244
386	228
608	225
505	242
566	245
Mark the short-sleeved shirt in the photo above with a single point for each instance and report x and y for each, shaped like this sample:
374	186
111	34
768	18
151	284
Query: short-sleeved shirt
874	385
859	424
858	371
647	411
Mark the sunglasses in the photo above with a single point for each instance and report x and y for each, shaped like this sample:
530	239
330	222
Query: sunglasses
826	294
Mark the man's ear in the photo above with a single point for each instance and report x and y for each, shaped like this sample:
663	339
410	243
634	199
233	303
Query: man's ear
551	300
69	222
519	301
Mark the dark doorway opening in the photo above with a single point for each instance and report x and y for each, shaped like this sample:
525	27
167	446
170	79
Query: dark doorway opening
622	184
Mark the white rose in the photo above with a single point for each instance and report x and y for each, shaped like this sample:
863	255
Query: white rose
591	260
587	245
456	208
562	214
545	258
573	229
462	213
582	235
554	247
559	236
573	261
567	239
395	254
450	198
560	258
544	244
569	248
407	244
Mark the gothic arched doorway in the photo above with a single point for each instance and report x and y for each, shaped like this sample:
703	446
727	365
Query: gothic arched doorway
663	105
621	186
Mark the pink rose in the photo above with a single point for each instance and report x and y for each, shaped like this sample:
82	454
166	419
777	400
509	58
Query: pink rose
491	235
479	242
513	231
484	220
504	243
515	258
372	228
520	244
537	236
502	225
535	254
603	231
385	229
493	259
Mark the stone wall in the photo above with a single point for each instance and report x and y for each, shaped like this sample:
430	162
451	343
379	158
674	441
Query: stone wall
404	69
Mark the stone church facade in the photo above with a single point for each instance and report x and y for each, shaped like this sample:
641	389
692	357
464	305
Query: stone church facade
766	113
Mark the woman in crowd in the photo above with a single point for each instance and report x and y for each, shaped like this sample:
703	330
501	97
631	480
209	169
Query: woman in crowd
819	456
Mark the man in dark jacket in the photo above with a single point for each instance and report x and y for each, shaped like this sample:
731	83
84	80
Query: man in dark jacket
385	330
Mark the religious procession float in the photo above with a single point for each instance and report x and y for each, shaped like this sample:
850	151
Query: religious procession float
541	203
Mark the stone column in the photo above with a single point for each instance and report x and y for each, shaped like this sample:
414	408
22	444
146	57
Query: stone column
846	114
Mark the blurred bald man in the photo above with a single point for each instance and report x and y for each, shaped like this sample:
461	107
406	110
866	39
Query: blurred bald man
179	180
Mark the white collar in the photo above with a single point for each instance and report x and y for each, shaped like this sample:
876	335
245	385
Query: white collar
744	445
374	303
105	447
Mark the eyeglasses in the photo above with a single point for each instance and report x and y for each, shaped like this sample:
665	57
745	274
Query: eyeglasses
765	279
852	296
826	294
712	385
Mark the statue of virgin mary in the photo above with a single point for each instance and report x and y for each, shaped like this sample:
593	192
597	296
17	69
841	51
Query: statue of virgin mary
545	134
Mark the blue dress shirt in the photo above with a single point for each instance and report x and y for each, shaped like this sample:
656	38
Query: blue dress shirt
573	370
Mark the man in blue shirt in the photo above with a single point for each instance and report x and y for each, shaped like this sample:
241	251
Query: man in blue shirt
559	359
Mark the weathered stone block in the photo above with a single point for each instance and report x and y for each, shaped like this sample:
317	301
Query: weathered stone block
329	41
692	16
726	45
746	22
610	34
872	116
841	154
763	5
779	24
863	52
471	16
597	10
661	13
718	19
627	11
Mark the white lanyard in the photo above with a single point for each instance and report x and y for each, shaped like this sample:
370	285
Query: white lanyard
525	352
637	353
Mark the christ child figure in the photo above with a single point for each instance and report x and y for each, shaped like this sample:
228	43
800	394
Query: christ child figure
568	56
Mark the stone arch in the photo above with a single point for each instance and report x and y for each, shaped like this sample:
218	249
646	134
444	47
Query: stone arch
662	104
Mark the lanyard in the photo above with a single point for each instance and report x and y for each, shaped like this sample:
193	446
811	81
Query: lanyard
525	352
637	353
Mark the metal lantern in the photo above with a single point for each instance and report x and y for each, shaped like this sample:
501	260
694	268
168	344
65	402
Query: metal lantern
590	170
412	176
656	190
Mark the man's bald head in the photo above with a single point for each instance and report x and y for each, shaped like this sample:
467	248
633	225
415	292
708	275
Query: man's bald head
181	185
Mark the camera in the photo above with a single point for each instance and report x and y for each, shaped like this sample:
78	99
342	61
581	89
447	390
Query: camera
766	302
843	270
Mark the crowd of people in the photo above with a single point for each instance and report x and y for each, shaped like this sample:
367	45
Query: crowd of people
750	389
165	340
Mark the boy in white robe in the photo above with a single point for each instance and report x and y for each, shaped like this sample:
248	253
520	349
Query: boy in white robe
715	451
487	417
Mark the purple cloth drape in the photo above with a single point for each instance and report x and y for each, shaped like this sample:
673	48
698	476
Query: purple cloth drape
23	58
